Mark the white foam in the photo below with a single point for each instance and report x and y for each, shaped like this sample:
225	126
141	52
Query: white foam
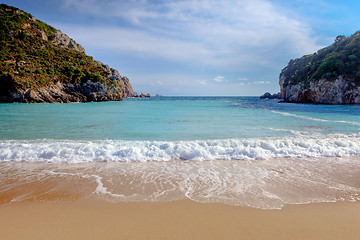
315	119
266	184
286	130
100	189
335	145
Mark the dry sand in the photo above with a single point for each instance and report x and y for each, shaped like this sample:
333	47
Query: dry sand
176	220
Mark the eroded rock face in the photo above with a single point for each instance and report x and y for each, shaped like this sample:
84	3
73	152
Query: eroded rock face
123	82
64	41
339	91
66	93
268	95
115	90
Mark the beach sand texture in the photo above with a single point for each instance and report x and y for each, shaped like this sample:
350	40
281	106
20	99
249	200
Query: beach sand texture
38	204
177	220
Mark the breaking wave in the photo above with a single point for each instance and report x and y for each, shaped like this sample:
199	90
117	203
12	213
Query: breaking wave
46	150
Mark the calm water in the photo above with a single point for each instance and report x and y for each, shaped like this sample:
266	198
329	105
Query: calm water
258	153
176	128
174	118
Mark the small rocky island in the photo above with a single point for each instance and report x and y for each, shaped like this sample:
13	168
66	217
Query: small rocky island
41	64
141	95
268	95
329	76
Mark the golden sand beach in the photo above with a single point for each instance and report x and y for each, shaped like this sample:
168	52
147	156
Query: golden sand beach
177	220
36	204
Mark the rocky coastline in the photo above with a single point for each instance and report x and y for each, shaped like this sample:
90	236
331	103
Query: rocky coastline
41	64
268	95
339	91
58	92
329	76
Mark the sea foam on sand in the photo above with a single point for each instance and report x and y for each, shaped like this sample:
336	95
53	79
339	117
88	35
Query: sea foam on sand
265	184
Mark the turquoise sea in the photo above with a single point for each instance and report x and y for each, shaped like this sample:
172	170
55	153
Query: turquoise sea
235	150
164	128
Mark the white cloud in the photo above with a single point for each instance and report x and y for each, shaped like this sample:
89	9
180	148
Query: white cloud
227	34
184	84
219	79
262	82
137	42
195	38
202	82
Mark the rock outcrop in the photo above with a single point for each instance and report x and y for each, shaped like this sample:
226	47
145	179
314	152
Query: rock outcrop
41	64
66	93
124	83
329	76
268	95
64	41
339	91
141	95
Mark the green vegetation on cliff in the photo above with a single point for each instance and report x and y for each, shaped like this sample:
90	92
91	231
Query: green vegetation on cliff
32	54
342	58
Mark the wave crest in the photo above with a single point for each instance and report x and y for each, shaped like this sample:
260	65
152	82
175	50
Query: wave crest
121	151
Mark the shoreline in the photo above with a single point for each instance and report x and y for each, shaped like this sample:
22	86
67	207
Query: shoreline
151	200
263	184
183	219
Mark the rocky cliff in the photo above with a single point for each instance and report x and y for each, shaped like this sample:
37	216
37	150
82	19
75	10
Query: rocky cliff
329	76
339	91
41	64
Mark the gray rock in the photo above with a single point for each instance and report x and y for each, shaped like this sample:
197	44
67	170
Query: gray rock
65	42
123	82
270	96
65	93
339	91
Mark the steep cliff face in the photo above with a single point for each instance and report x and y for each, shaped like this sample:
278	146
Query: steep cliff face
339	91
41	64
62	40
122	82
329	76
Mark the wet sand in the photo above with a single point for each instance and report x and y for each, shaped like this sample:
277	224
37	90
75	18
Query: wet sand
62	201
177	220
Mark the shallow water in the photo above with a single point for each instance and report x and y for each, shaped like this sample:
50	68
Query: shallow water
266	184
235	150
190	128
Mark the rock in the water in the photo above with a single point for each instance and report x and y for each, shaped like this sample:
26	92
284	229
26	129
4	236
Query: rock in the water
142	95
340	91
270	96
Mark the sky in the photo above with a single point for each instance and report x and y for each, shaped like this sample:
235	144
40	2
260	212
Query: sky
199	47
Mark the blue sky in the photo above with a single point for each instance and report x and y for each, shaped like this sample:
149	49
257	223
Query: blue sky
199	47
